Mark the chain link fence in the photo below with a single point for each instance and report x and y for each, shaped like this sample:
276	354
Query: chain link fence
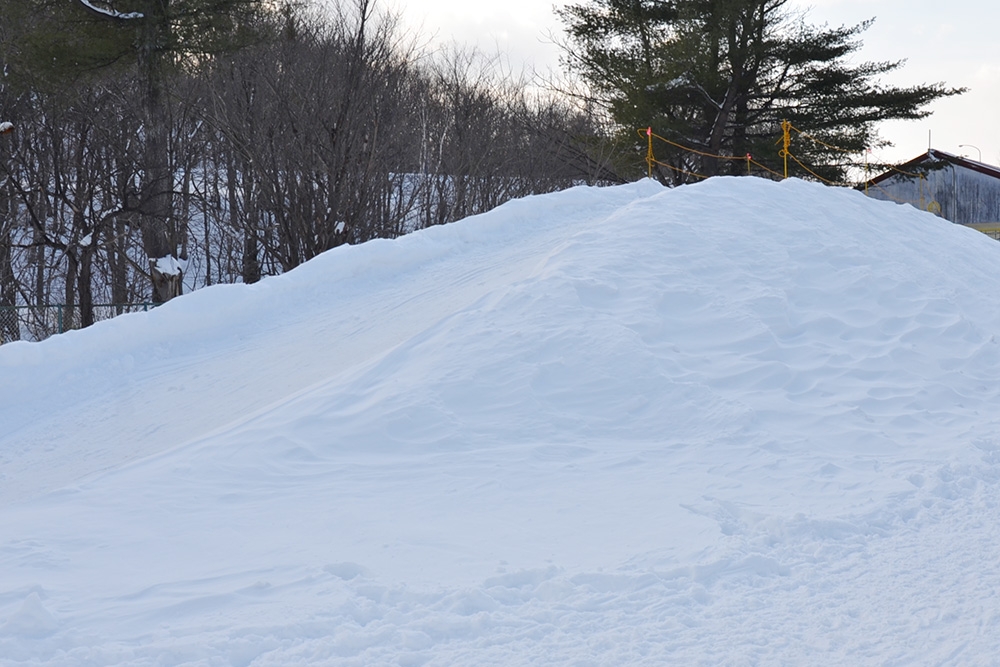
35	323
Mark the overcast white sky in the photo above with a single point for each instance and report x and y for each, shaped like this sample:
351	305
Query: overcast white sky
953	42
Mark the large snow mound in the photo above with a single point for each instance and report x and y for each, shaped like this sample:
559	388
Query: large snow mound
733	423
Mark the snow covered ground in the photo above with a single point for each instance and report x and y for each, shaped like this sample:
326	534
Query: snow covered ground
741	422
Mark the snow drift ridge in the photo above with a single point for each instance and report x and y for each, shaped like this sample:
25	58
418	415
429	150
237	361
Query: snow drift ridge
612	425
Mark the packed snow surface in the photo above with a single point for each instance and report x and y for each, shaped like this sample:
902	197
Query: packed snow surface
741	422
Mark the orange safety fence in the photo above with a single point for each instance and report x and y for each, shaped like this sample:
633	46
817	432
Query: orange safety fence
784	153
651	160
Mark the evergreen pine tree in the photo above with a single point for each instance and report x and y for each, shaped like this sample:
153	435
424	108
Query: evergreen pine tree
720	77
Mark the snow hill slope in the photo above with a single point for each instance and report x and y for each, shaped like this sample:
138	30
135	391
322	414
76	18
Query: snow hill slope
741	422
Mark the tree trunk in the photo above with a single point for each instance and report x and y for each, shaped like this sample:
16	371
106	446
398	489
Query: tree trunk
84	286
155	207
9	329
68	313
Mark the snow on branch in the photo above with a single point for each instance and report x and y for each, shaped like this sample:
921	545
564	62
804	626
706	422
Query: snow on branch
169	265
6	127
110	12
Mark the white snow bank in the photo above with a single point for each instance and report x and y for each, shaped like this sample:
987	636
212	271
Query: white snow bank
742	421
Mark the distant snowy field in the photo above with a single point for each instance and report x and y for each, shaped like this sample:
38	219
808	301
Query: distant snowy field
741	422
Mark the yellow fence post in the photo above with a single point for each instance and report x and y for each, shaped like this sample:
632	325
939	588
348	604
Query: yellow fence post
787	140
649	153
867	151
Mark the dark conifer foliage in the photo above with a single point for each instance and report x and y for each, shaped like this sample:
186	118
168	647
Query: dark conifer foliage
720	76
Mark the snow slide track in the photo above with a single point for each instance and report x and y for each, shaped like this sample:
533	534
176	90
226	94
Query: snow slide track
406	287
